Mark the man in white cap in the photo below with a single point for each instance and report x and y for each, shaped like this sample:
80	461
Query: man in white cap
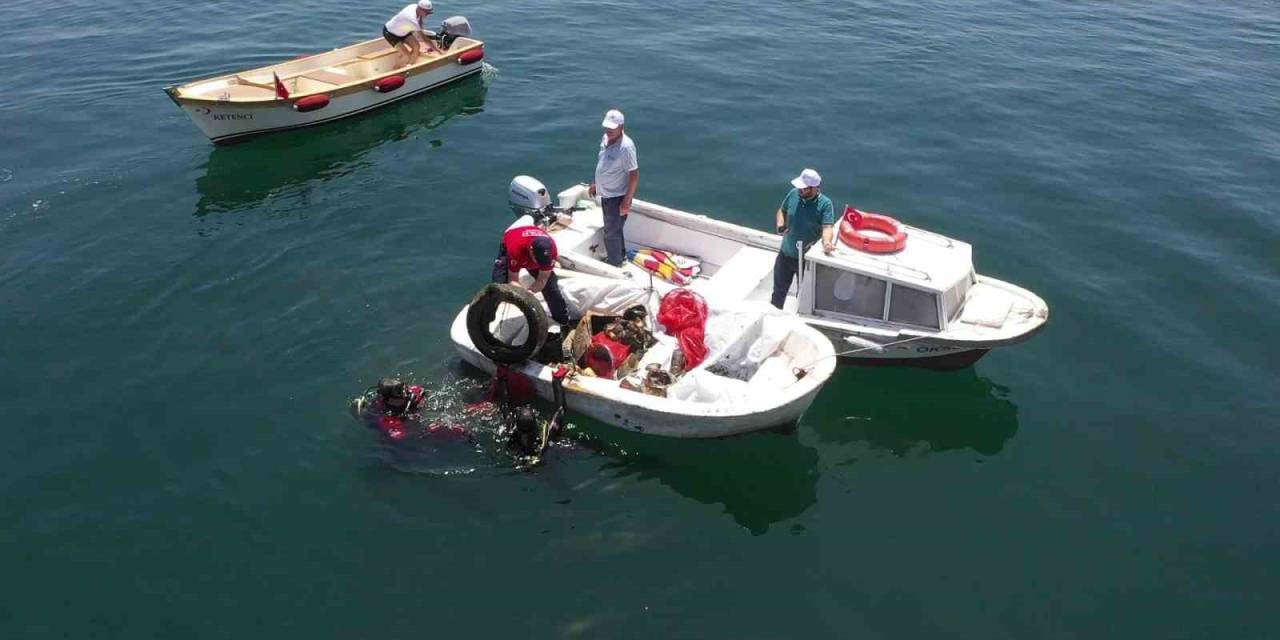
617	174
804	216
409	22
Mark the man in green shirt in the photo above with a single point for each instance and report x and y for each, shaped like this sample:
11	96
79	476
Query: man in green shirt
804	216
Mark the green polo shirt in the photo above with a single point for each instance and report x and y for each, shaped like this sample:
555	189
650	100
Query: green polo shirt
805	219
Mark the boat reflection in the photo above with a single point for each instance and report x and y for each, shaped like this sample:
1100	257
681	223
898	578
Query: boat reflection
899	410
244	175
760	478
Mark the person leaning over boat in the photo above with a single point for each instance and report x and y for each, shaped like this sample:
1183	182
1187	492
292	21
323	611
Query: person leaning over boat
617	174
532	249
804	216
409	22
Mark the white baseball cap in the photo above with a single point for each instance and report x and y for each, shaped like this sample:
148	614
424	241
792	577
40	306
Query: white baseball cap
425	5
807	178
613	119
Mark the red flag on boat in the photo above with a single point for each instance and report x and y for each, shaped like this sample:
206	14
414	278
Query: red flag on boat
854	216
281	92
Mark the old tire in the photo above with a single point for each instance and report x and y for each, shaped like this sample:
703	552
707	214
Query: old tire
484	308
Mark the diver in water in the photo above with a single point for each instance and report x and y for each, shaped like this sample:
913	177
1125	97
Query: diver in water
394	409
528	435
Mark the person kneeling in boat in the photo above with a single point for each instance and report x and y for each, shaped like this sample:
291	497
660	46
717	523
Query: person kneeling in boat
409	22
804	215
532	249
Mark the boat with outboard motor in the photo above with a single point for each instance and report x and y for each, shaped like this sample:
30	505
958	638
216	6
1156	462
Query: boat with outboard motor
761	368
324	87
889	294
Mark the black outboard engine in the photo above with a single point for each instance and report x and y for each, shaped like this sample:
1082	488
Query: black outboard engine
452	29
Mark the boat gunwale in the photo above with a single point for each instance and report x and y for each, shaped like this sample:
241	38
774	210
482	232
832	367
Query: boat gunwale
175	91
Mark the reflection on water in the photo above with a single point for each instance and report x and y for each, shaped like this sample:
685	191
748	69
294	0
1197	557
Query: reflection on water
760	478
243	175
898	410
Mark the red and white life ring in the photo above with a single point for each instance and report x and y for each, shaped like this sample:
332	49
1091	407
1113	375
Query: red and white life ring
472	55
388	84
854	225
311	103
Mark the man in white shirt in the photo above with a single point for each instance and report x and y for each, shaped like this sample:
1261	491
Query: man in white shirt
409	22
617	175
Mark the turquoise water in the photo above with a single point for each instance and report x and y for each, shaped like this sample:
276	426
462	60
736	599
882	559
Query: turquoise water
182	326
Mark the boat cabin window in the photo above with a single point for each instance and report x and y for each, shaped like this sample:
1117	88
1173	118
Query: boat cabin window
912	306
848	293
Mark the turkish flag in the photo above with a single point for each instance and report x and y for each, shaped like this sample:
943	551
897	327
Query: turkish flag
852	215
281	92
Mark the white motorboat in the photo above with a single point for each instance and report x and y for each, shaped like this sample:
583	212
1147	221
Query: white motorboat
763	369
921	305
324	87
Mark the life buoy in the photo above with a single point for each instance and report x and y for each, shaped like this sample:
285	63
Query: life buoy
471	56
388	84
854	225
311	103
484	308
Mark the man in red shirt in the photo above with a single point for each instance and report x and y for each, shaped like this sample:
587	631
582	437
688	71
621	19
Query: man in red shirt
531	248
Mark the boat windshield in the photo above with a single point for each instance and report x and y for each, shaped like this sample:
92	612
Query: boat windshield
848	293
913	306
954	298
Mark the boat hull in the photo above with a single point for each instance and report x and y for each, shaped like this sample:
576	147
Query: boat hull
232	122
951	360
647	414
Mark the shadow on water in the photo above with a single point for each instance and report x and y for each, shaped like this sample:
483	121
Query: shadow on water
759	478
899	409
246	174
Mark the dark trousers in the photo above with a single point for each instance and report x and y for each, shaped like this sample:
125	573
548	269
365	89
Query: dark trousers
551	293
615	245
784	271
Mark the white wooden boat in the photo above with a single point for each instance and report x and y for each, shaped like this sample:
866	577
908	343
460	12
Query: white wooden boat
321	88
922	306
701	403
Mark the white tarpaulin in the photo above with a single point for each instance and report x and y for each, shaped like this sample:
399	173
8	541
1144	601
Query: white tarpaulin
600	296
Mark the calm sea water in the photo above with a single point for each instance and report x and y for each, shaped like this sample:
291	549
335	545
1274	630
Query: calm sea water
181	327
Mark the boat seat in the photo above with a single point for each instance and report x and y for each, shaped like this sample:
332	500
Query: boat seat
738	276
376	54
330	77
237	92
269	83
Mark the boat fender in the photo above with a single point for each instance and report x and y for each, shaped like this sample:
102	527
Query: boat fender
311	103
863	343
388	84
484	308
471	56
853	227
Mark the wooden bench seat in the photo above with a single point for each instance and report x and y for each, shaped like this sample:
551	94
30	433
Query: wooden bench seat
324	75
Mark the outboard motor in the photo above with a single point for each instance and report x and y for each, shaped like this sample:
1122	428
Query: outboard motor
452	29
528	196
